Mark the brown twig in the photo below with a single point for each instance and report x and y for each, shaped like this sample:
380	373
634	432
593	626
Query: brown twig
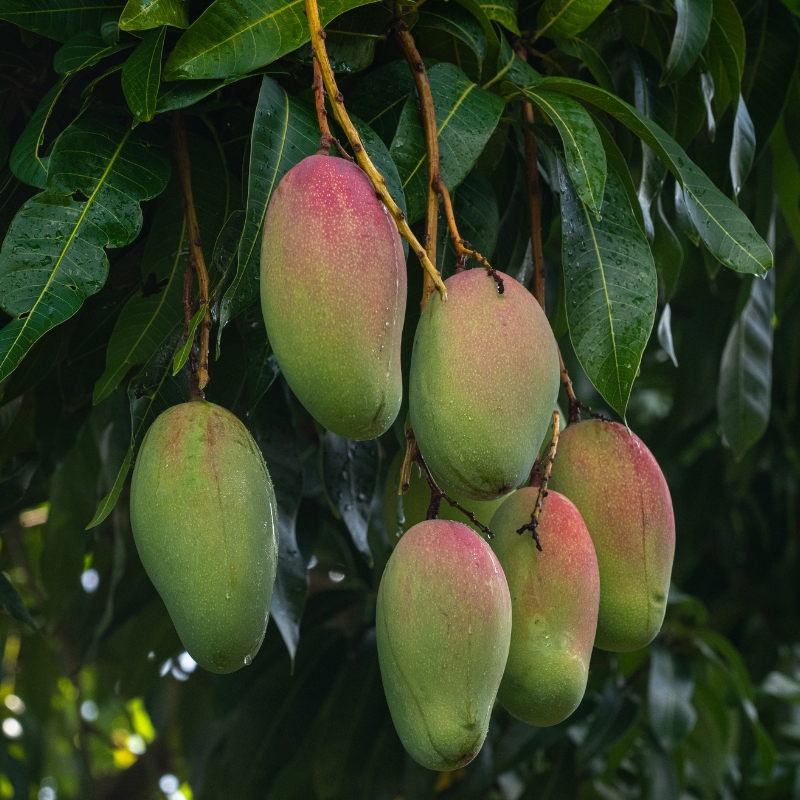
196	263
574	403
436	186
327	138
542	477
414	456
364	161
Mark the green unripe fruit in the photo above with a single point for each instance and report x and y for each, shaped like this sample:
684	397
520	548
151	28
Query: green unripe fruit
483	384
333	293
416	500
554	599
624	500
204	520
443	624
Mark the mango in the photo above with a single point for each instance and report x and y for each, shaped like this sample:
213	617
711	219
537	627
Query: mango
416	500
483	385
333	294
624	500
443	624
204	521
555	595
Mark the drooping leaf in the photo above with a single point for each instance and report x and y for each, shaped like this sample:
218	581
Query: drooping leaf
664	331
583	148
667	251
594	47
141	74
182	356
744	390
502	11
83	50
235	36
726	45
743	146
466	116
611	289
563	19
669	698
448	32
141	15
691	34
12	603
510	67
57	19
284	132
724	228
262	366
25	162
41	286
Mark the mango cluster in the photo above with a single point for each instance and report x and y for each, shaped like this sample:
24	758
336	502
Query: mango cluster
461	620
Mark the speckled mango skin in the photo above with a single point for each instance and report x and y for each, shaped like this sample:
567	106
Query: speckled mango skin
204	520
417	499
443	625
483	385
554	600
333	294
624	500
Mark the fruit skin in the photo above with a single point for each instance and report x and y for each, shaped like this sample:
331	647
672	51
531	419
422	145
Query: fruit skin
333	294
624	500
483	385
204	520
417	499
443	626
554	599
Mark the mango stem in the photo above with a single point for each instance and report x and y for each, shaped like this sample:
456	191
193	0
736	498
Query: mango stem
340	113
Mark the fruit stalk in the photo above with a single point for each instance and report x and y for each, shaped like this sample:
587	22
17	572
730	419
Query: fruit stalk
340	113
196	263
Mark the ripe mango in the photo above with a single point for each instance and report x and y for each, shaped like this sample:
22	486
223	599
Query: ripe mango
416	500
204	520
443	625
483	384
333	294
624	500
554	599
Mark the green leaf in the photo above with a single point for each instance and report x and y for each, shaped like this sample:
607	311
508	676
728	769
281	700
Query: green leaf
611	289
664	332
745	374
669	698
502	11
12	603
466	116
53	256
262	366
108	502
511	67
743	146
182	356
583	147
149	316
141	15
284	132
485	11
691	34
235	36
667	251
83	50
182	94
24	160
727	43
593	46
56	19
724	228
450	33
563	19
141	75
615	715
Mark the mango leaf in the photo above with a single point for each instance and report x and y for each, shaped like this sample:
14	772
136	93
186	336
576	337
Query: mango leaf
669	698
150	315
502	11
691	34
141	75
284	132
24	160
83	50
616	713
53	257
485	11
726	231
664	332
667	251
182	94
594	47
727	43
743	147
56	19
12	603
262	366
611	289
452	34
563	19
182	356
466	117
745	374
511	67
235	36
141	15
583	148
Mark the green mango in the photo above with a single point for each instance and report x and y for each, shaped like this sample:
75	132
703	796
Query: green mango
333	294
415	502
204	520
443	624
624	500
554	600
483	385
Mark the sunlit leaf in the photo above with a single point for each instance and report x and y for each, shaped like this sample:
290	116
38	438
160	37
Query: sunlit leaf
141	15
141	75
